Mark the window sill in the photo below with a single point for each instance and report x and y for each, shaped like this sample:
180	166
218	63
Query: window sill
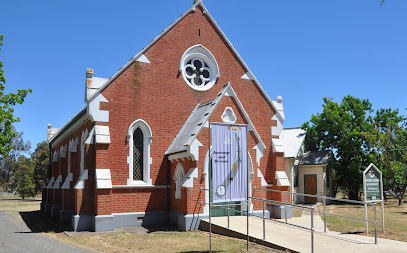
140	186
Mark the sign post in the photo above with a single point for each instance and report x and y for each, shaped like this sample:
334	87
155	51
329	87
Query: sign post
373	189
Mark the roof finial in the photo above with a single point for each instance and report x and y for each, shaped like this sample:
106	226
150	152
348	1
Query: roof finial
196	1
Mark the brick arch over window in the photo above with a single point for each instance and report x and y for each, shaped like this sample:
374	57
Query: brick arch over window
139	137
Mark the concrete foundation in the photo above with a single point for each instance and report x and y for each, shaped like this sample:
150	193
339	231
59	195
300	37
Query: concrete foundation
279	212
103	223
48	209
42	207
55	211
65	216
82	222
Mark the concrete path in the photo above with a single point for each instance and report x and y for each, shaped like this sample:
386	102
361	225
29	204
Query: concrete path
299	240
15	236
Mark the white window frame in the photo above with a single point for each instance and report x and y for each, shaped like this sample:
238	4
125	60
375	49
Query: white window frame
199	52
178	178
148	138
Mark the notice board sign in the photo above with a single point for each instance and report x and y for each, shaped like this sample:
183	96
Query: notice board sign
372	184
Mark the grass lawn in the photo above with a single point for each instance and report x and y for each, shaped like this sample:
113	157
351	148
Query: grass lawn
394	219
198	241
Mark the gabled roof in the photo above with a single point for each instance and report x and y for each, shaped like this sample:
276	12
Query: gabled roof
192	9
292	140
199	118
315	157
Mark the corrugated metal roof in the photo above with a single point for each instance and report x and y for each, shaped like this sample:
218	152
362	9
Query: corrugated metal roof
191	127
315	157
292	139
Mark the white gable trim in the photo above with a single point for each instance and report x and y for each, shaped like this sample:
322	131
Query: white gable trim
192	9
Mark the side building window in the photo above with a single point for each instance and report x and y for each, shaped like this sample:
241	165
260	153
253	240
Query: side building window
139	136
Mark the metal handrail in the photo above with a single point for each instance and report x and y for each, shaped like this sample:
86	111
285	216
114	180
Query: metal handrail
316	196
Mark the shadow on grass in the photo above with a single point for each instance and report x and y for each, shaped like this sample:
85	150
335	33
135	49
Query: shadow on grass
22	200
38	222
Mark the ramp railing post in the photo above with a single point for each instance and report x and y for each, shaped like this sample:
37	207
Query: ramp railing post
375	224
285	206
264	222
324	214
312	230
228	216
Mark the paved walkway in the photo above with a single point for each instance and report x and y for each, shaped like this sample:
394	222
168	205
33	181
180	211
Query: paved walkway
299	240
15	236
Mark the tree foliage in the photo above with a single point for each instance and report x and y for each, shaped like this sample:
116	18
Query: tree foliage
340	128
7	102
40	158
7	162
388	136
23	180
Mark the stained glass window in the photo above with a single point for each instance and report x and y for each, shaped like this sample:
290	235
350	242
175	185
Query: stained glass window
138	157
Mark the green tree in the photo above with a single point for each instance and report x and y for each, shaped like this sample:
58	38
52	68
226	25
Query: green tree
389	138
7	102
23	180
7	162
40	158
340	128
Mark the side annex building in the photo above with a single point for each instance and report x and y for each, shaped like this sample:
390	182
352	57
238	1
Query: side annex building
137	152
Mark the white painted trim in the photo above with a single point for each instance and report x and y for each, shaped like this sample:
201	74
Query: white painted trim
50	183
277	146
188	181
103	179
226	118
94	109
142	58
57	182
263	181
259	153
65	130
202	53
193	149
55	156
140	186
67	183
80	185
192	9
248	76
62	151
148	138
73	145
179	175
83	138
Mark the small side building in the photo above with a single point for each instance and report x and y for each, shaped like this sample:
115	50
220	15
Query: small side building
308	171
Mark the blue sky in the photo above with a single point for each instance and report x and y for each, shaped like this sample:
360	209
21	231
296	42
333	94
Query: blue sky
301	50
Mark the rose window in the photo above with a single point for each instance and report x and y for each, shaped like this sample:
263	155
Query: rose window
197	72
199	68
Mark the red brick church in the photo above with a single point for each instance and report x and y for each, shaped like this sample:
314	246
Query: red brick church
137	152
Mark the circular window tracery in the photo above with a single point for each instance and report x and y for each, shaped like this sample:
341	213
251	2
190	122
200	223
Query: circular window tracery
199	68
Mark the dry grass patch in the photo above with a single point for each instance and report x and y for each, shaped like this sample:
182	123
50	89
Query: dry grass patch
13	203
28	211
161	242
395	219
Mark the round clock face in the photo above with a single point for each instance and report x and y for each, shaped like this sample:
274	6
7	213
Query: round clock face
221	190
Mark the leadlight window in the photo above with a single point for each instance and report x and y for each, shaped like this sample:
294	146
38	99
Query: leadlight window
197	72
199	68
138	154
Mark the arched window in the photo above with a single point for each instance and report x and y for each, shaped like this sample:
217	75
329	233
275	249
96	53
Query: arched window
178	178
138	148
139	137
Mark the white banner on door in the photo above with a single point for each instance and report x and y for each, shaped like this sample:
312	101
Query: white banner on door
229	162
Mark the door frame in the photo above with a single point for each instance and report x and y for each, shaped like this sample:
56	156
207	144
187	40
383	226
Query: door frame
305	186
